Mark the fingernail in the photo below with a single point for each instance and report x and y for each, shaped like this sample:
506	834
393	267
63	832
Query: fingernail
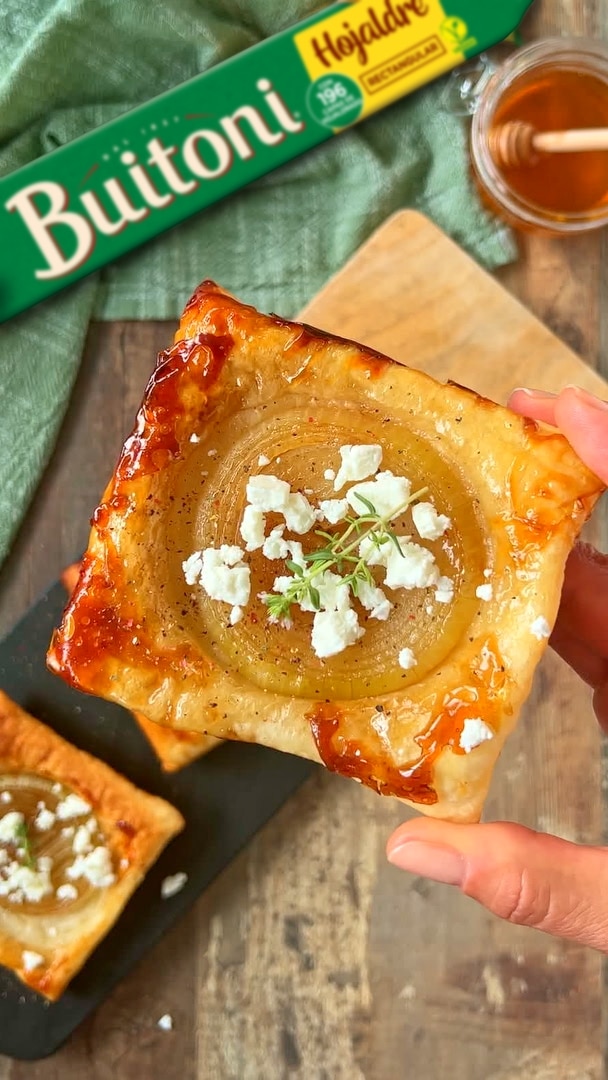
429	860
537	395
589	399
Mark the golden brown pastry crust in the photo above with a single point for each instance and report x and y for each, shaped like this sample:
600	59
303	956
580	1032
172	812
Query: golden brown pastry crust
174	749
523	484
136	828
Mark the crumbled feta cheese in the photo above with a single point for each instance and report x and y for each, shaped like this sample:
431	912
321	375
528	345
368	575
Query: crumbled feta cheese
165	1023
225	577
10	827
329	474
173	884
192	568
487	573
429	524
268	493
71	807
334	595
407	660
253	528
333	510
81	844
23	883
44	863
45	819
412	568
358	462
68	832
445	591
334	631
96	867
236	615
374	601
6	797
309	491
540	628
274	545
299	514
212	453
474	733
387	493
67	892
377	554
484	592
194	438
263	460
31	960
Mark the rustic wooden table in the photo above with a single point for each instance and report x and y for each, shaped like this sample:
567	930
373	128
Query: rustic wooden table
311	957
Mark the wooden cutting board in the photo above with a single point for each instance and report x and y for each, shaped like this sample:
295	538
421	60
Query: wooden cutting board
462	991
413	294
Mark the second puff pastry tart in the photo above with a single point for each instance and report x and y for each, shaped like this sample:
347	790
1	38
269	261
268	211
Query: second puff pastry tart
262	447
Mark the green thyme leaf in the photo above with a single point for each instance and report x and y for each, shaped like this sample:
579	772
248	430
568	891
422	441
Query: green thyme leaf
23	841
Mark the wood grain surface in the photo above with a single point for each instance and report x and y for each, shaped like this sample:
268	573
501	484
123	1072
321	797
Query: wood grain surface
311	957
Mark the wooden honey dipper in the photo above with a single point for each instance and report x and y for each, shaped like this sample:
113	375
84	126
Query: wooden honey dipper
518	143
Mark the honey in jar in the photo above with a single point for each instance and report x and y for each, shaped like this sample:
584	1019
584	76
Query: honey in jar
554	86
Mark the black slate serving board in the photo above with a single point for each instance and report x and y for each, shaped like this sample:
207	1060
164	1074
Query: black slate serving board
225	798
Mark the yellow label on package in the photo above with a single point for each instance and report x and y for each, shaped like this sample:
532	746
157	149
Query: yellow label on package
380	51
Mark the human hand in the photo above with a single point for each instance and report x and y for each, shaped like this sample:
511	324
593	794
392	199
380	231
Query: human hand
520	875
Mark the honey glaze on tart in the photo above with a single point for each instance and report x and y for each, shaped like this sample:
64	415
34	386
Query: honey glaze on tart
300	452
55	831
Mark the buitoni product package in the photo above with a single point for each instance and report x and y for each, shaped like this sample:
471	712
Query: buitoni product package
86	204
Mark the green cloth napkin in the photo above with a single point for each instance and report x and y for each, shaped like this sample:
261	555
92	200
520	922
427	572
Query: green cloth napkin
69	65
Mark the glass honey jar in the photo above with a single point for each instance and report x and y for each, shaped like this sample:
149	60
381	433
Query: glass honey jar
553	85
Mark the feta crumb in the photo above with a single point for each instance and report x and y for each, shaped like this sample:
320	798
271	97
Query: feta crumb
31	960
71	807
67	892
333	510
173	884
268	493
299	514
358	462
212	453
165	1023
407	660
96	867
236	615
334	631
377	555
81	844
224	576
374	601
68	832
274	545
263	460
414	568
334	594
540	628
44	864
6	797
474	733
309	491
253	528
429	524
329	474
194	438
388	493
45	819
192	568
445	591
487	573
484	592
23	883
10	827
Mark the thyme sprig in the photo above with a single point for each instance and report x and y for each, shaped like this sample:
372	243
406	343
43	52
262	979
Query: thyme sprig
24	842
339	555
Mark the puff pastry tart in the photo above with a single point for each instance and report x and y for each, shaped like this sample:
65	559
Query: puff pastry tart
174	749
76	840
310	546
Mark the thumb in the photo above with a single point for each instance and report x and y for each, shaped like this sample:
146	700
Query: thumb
522	876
